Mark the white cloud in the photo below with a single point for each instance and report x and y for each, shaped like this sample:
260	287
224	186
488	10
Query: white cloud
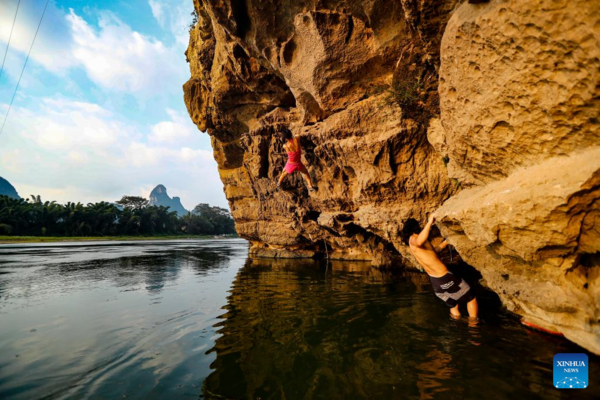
78	151
70	125
119	58
157	12
176	15
113	55
78	157
52	46
175	132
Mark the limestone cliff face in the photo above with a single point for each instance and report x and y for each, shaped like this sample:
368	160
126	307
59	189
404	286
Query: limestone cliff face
519	96
322	68
485	113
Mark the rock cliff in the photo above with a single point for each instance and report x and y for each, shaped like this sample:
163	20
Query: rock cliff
483	113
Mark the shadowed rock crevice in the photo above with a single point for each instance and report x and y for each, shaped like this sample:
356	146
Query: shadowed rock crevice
241	17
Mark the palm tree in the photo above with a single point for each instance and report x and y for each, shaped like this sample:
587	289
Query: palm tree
36	199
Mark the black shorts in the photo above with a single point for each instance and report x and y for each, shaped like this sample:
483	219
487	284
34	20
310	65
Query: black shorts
452	289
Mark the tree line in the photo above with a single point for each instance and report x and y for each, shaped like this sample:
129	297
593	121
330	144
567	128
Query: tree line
131	215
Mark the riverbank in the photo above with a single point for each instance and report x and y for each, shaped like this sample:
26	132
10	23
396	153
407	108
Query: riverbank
51	239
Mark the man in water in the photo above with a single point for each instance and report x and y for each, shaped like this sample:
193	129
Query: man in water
453	290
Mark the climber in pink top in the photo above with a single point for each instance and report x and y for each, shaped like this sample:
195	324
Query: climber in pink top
294	151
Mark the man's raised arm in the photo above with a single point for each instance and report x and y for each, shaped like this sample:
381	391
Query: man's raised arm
441	246
424	235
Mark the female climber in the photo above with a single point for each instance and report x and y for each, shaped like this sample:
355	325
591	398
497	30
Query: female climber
294	163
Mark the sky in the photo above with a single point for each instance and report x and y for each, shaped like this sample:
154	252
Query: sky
99	112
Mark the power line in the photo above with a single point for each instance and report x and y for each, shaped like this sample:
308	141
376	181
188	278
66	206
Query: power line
10	37
24	65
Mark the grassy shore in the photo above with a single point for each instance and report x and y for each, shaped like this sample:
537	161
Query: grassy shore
49	239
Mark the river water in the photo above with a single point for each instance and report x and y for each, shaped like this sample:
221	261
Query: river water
198	319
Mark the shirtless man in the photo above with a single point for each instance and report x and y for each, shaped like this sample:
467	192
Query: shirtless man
447	286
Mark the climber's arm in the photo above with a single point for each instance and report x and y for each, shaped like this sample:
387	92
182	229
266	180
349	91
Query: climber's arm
441	246
424	235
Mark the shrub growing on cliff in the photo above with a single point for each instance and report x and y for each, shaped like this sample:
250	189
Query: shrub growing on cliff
414	83
194	15
405	92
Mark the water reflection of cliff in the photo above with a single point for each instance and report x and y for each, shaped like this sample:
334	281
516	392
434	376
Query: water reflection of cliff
297	329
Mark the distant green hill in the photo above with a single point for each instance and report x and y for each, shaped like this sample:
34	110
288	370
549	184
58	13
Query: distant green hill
6	189
159	197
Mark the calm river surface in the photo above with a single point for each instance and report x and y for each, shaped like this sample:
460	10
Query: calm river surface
199	319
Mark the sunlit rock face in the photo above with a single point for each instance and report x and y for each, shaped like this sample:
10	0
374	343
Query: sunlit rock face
499	135
519	96
323	69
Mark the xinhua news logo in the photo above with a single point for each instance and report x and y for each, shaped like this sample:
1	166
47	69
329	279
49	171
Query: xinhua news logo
571	371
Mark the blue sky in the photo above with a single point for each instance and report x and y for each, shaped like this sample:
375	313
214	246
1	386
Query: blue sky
100	111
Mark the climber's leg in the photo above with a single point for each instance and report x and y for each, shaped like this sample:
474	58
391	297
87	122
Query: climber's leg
282	177
306	176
